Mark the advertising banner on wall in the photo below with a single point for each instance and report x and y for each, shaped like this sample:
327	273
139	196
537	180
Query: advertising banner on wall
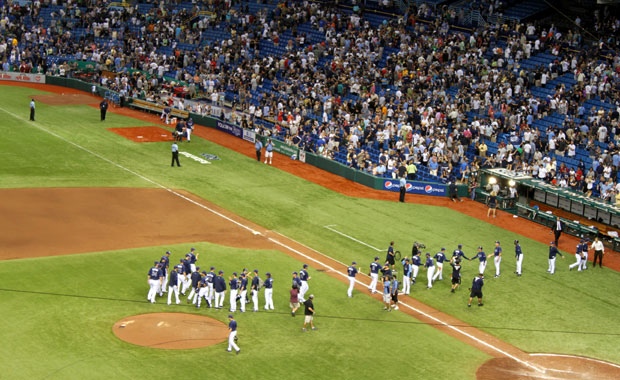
22	77
424	188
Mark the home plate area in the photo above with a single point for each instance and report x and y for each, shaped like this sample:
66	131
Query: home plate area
144	134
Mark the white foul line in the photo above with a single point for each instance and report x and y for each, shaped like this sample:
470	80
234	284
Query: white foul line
351	237
35	124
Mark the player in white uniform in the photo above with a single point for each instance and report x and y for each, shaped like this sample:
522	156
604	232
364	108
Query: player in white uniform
440	257
154	281
415	266
584	253
351	272
497	258
406	276
430	269
578	257
374	275
304	277
519	257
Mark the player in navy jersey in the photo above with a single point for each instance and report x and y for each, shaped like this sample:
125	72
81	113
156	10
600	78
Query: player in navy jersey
440	258
415	266
296	280
304	277
476	289
234	285
210	292
165	260
203	288
351	273
173	286
268	291
483	260
255	288
243	291
553	251
153	279
497	258
220	289
232	334
430	269
458	253
578	257
374	275
519	257
193	256
406	276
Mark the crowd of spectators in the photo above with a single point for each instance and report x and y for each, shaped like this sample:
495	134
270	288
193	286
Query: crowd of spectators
401	97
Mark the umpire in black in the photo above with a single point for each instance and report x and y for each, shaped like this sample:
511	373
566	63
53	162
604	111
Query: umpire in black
103	107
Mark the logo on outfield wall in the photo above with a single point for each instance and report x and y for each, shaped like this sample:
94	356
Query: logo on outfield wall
416	188
428	189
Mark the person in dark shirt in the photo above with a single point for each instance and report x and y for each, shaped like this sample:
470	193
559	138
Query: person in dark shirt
173	286
309	313
476	290
456	273
103	107
294	300
454	194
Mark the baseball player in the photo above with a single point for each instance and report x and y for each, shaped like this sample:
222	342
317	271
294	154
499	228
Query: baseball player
255	288
173	285
193	256
203	289
189	127
243	290
455	262
234	283
458	253
161	284
165	259
352	271
219	284
519	257
296	280
195	278
553	251
304	277
483	260
386	292
584	253
153	279
430	269
165	114
406	276
210	290
476	289
180	274
374	275
394	293
232	335
187	268
497	257
390	255
440	257
578	257
415	266
268	292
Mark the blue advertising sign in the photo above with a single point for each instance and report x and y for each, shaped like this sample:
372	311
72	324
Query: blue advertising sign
229	128
416	187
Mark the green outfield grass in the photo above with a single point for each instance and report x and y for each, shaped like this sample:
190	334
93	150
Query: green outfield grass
537	312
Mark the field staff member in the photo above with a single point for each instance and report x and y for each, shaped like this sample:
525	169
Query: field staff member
232	335
32	110
599	251
403	189
558	228
456	273
430	269
175	154
476	290
103	107
519	257
374	275
553	251
390	255
309	313
258	146
351	271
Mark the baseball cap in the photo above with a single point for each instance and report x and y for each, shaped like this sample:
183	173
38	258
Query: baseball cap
311	296
428	254
187	255
294	272
497	242
204	272
516	241
193	249
305	266
197	268
255	270
220	272
212	268
353	263
407	259
552	243
376	258
460	246
234	273
242	274
443	249
167	252
267	274
230	316
156	262
581	241
479	247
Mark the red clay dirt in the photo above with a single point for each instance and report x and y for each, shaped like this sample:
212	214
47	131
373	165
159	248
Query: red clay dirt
143	134
66	98
269	239
172	331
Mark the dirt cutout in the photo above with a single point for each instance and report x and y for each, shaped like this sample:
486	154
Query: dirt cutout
143	134
172	331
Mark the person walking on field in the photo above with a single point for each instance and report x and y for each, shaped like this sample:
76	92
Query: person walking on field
430	270
440	258
309	313
497	258
175	154
32	110
558	228
351	272
519	257
403	189
374	274
584	254
294	299
232	335
103	107
578	257
456	273
553	251
476	290
599	251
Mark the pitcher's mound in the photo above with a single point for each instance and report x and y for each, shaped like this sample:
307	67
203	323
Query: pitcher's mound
550	366
175	331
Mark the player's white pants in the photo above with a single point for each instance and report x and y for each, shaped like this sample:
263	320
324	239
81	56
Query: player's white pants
406	284
551	265
219	299
303	290
255	300
373	283
438	272
210	294
497	260
584	261
201	293
242	301
233	299
189	133
186	284
153	285
429	276
416	268
519	263
165	280
160	287
268	155
269	299
231	341
351	285
173	289
576	264
193	295
482	266
193	266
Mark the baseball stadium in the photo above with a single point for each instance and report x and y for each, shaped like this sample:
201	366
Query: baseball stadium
331	140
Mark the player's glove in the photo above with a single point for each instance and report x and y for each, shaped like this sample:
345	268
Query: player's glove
236	338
